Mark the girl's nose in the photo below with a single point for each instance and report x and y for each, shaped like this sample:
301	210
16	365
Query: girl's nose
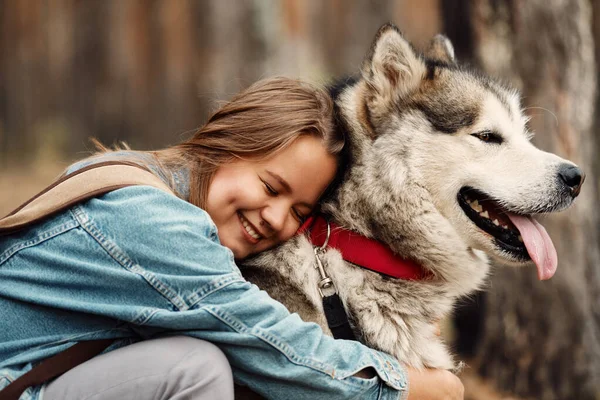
275	216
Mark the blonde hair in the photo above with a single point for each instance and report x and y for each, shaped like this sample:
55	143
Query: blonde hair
255	124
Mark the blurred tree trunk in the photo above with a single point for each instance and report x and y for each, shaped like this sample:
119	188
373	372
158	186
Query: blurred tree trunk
144	71
539	339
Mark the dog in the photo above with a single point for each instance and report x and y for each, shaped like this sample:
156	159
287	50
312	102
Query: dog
441	172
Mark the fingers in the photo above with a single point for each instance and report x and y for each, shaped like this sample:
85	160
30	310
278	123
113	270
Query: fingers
434	384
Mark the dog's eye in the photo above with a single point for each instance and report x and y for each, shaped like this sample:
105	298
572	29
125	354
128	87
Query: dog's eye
488	137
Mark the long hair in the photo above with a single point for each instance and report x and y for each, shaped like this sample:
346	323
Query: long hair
255	124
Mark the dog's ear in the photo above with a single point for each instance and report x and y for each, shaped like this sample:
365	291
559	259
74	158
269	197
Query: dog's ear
392	67
441	49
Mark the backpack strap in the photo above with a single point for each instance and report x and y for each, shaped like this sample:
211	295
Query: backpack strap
68	190
91	181
55	366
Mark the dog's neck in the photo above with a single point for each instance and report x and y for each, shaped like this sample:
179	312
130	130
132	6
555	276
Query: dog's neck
353	208
359	250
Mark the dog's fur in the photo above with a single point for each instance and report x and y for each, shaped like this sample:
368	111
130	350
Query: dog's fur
412	122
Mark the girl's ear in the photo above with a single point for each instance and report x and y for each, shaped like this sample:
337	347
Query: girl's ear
392	68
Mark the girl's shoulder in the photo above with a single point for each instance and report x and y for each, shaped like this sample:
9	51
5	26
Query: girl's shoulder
145	207
145	214
144	217
152	227
149	208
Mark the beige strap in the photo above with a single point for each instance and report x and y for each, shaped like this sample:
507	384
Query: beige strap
55	366
88	182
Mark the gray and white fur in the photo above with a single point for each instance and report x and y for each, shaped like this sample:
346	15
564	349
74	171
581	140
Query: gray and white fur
414	124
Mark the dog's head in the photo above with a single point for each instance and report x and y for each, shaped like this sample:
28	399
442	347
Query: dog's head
462	137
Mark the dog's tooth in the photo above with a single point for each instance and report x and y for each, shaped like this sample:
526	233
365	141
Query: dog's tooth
496	222
485	214
475	206
505	227
520	239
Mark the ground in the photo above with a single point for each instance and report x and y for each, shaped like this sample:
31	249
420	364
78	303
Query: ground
18	184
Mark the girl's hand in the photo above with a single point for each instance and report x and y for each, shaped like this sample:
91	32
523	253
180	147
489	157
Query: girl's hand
434	384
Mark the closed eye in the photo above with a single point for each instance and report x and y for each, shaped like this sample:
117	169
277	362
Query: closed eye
270	190
298	215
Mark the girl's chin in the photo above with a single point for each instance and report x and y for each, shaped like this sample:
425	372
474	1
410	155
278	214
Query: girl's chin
240	253
243	254
244	249
239	250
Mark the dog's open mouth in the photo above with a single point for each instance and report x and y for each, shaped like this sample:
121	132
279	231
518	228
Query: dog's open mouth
491	218
518	235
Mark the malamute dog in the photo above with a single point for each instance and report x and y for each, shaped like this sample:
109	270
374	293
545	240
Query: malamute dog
441	173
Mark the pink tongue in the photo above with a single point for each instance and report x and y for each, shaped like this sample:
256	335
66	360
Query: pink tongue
538	244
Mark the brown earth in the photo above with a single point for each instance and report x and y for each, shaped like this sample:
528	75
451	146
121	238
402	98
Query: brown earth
18	184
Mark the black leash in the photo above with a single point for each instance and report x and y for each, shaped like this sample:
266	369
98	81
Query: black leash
337	319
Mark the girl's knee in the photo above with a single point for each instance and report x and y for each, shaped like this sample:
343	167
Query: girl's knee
204	370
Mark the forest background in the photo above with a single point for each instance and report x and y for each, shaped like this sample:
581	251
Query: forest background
148	72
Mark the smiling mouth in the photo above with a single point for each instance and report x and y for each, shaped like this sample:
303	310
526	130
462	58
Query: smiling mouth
250	229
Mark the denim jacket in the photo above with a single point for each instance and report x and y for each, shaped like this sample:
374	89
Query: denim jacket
138	263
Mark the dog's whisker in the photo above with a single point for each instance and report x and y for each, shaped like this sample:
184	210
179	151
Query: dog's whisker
543	109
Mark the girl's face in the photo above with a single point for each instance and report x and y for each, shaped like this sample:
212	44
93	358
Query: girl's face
259	204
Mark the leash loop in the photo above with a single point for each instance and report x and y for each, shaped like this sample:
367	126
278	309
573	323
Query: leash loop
326	282
324	246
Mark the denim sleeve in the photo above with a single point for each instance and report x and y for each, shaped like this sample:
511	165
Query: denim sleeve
272	351
280	356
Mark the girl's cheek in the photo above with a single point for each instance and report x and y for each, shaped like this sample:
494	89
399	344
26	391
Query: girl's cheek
257	195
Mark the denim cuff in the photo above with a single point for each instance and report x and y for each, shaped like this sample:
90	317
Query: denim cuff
393	374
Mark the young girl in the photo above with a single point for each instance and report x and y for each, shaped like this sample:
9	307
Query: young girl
156	272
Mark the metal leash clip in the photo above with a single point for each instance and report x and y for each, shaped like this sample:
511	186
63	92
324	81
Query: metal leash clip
325	282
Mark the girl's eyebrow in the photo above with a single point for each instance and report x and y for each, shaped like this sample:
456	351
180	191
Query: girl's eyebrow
281	181
287	187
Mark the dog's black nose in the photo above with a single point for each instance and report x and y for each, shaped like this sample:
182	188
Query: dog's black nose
572	176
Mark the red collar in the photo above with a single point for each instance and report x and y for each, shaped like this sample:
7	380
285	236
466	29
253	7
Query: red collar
362	251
